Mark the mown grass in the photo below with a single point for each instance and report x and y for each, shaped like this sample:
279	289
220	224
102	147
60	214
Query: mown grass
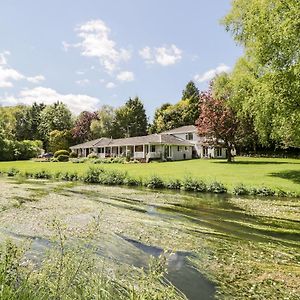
279	174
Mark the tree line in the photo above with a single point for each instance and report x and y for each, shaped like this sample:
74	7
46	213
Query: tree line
255	107
57	128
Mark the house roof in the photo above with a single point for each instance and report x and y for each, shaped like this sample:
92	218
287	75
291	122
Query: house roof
152	138
93	143
182	129
138	140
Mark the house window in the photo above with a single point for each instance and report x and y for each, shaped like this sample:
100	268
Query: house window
218	152
178	148
101	150
168	151
189	136
138	148
152	148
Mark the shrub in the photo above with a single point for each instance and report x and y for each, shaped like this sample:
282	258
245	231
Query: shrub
240	189
73	154
154	182
132	181
119	160
99	161
42	175
93	175
261	191
174	184
112	178
281	193
217	188
12	172
253	191
264	191
134	161
61	152
39	175
63	158
194	185
19	150
78	160
92	155
69	176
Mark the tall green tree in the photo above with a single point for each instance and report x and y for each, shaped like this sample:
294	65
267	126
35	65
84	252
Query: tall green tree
103	126
191	94
27	122
170	116
8	120
269	32
184	112
233	90
59	140
131	119
54	117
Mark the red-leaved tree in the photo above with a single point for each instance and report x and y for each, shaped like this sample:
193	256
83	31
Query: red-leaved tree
217	122
81	131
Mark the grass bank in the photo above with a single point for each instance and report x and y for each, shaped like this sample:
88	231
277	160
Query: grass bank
275	173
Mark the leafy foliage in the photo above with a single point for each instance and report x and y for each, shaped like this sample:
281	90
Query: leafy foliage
81	131
61	152
103	125
19	150
59	140
131	119
266	79
217	122
54	117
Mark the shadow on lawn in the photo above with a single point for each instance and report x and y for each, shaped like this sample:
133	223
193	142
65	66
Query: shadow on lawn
292	175
249	162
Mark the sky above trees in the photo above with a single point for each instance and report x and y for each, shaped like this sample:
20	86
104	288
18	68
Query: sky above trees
90	53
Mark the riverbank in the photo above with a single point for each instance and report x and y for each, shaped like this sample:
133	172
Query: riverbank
244	247
274	173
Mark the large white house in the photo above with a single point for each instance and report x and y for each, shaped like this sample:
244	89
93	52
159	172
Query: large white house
202	148
177	144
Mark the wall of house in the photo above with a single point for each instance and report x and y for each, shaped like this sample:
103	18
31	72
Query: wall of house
181	153
196	137
211	152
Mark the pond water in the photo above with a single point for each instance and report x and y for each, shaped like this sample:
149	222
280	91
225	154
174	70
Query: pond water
192	216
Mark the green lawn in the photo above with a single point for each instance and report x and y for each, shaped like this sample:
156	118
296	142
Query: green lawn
275	173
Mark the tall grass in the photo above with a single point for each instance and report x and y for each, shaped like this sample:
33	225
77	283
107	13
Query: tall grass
71	271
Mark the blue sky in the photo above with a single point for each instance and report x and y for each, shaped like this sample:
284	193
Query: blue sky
94	52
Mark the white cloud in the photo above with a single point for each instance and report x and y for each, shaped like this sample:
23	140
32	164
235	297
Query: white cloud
76	103
125	76
165	56
66	46
82	81
146	54
96	42
36	79
80	72
110	85
210	74
8	75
